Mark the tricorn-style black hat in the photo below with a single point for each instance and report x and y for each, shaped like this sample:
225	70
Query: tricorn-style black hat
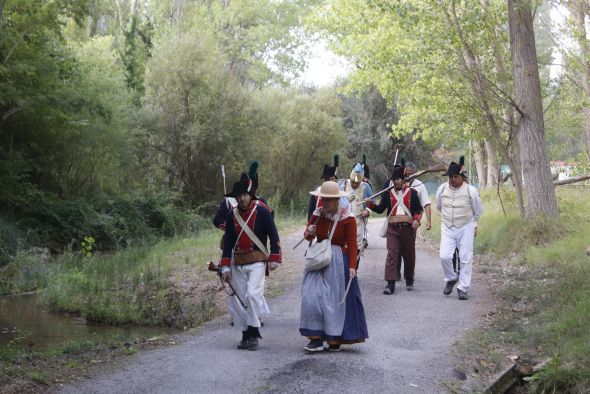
330	171
399	170
248	182
244	185
456	169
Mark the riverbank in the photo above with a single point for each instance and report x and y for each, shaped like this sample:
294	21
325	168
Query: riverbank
539	275
166	284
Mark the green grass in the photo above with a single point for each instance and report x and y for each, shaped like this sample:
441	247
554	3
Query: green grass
28	271
131	286
549	273
135	285
39	377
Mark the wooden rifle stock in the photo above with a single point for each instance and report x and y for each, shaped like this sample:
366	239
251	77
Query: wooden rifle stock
435	168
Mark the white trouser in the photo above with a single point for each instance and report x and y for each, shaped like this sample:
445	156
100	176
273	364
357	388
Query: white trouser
360	231
462	239
248	280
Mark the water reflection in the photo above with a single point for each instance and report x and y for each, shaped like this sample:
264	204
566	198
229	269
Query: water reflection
24	323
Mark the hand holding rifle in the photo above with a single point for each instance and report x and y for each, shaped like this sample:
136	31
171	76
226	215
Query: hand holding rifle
225	277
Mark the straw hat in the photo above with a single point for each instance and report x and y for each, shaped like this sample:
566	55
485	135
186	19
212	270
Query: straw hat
329	189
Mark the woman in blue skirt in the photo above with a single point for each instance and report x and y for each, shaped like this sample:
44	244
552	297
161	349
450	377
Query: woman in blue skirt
328	312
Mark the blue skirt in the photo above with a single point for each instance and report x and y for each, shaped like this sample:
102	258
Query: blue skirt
355	323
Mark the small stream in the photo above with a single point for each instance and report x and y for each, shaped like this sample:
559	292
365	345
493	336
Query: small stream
24	324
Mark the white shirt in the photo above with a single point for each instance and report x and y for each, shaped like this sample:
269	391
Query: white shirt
422	192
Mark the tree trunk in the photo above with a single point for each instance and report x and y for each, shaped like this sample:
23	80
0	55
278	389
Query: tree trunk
472	71
493	167
177	10
480	164
537	182
578	9
134	8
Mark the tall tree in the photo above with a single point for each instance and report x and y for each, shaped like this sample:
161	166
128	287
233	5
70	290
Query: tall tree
538	185
579	11
434	59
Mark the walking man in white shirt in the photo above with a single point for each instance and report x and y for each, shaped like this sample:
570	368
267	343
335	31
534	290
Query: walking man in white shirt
460	207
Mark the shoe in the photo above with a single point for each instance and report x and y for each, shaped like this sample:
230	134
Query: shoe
409	285
449	287
365	244
334	348
462	294
390	288
315	345
243	344
253	344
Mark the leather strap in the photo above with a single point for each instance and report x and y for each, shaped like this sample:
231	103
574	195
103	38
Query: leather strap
246	229
400	202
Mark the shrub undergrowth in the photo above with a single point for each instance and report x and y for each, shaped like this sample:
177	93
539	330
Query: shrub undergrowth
114	221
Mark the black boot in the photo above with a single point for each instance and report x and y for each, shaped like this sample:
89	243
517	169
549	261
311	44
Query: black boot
244	342
409	284
449	287
253	334
390	288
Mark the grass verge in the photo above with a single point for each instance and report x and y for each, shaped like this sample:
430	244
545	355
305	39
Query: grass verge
539	274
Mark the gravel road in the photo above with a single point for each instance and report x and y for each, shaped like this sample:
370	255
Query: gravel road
410	349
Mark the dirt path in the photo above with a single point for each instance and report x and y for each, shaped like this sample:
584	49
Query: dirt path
409	350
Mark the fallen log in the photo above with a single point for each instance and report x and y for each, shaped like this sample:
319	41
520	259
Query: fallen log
504	382
514	374
572	180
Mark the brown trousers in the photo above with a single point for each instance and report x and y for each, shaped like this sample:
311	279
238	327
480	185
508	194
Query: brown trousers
400	243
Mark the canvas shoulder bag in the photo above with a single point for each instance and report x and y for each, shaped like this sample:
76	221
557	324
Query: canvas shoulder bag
319	255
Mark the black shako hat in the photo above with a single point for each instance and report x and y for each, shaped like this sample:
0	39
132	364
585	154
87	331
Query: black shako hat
366	167
399	170
328	171
248	183
456	169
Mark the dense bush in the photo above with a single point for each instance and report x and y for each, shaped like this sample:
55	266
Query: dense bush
114	221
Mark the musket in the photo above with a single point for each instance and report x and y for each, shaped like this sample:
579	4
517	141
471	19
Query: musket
299	243
435	168
395	159
211	266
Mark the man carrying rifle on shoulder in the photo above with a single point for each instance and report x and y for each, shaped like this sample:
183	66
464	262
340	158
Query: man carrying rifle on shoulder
248	229
420	188
404	212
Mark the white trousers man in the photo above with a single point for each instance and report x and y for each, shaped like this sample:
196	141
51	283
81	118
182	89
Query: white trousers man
248	280
360	231
460	238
